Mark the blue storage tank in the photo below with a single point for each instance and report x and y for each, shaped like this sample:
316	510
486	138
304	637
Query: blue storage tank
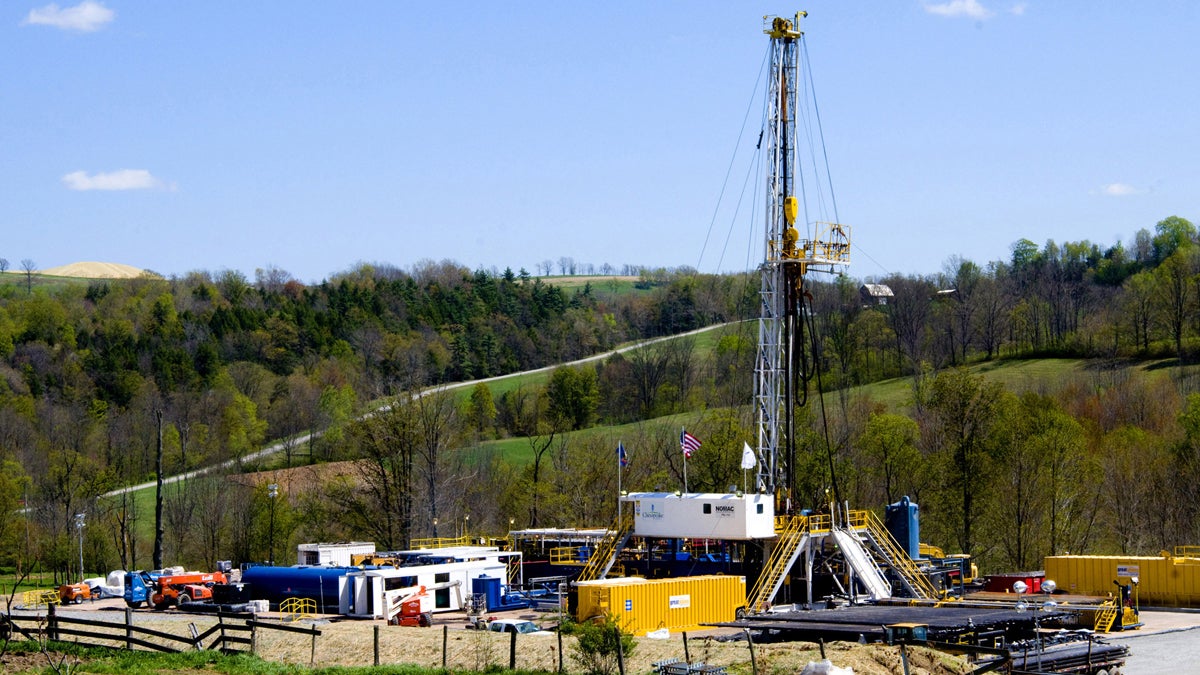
903	522
276	584
490	588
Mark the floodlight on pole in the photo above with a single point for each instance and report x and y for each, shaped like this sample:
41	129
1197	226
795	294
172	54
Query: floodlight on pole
79	525
272	493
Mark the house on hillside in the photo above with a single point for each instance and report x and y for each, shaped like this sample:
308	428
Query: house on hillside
874	295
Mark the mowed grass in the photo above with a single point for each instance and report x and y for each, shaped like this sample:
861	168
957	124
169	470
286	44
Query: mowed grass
1038	375
602	285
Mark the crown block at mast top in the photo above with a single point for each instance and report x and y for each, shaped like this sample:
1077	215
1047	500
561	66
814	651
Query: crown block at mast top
825	247
779	27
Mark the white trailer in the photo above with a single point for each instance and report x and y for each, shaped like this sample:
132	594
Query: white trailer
337	554
701	515
371	591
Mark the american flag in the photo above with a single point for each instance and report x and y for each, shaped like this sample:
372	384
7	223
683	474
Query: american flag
621	456
688	443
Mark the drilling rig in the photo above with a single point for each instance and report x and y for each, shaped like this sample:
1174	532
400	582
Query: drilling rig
797	242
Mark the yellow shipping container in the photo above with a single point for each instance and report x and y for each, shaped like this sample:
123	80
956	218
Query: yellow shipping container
1166	581
643	605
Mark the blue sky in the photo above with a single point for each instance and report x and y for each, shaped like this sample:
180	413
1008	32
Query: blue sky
311	136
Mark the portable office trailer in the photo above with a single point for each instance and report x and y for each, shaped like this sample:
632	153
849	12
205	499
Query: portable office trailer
642	605
337	554
701	515
365	599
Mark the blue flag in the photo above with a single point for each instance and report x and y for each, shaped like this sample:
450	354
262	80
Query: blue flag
621	456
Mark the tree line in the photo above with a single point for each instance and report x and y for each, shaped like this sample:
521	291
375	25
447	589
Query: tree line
1099	462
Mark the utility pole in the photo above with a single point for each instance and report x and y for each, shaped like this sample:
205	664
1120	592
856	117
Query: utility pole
158	494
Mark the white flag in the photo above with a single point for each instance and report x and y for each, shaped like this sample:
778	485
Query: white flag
748	459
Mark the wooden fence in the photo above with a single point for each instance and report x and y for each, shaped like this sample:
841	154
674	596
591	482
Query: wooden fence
231	633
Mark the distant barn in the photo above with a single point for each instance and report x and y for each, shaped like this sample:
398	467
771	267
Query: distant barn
875	294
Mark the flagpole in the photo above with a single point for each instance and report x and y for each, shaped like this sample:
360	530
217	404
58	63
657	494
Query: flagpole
682	431
620	448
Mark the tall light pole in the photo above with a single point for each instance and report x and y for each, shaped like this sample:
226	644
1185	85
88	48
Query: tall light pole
1048	587
273	493
79	524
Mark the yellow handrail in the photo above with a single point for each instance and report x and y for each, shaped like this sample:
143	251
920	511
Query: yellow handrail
295	609
777	564
1106	617
896	556
606	549
441	542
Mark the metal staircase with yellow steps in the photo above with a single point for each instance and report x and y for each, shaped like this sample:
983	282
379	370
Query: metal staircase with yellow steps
789	541
913	580
605	554
1106	617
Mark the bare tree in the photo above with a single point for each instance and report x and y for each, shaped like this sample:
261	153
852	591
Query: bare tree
3	265
29	267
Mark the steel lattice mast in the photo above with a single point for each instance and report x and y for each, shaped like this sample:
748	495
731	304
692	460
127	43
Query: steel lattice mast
781	366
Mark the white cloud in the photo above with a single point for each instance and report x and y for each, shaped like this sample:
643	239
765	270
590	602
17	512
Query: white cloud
85	17
124	179
957	8
1018	9
1121	190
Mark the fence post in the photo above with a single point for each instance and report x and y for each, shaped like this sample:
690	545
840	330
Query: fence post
560	653
750	644
445	639
620	651
312	654
254	639
687	658
128	628
52	621
512	650
376	647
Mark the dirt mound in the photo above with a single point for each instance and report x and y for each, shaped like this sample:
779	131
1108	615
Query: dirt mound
94	270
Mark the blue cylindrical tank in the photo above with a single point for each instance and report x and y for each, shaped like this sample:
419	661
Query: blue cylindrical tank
276	584
903	522
490	588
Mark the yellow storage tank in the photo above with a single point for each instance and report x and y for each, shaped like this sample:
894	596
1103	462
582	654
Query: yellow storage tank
643	605
1165	580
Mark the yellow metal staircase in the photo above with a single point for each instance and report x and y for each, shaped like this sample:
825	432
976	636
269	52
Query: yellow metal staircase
783	555
910	575
605	554
1106	617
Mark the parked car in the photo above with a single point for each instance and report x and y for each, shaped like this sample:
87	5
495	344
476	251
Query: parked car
516	626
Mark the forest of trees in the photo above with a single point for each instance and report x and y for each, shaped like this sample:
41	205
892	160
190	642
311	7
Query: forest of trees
98	379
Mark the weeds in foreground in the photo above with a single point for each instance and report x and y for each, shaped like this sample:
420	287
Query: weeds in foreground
126	662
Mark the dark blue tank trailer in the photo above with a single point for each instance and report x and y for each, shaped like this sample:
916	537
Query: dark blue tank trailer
276	584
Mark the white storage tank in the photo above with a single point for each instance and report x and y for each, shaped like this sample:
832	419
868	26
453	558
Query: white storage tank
701	515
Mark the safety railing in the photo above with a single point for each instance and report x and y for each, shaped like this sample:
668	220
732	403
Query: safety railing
295	609
1106	617
778	563
39	598
602	559
916	581
441	542
1187	551
566	555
